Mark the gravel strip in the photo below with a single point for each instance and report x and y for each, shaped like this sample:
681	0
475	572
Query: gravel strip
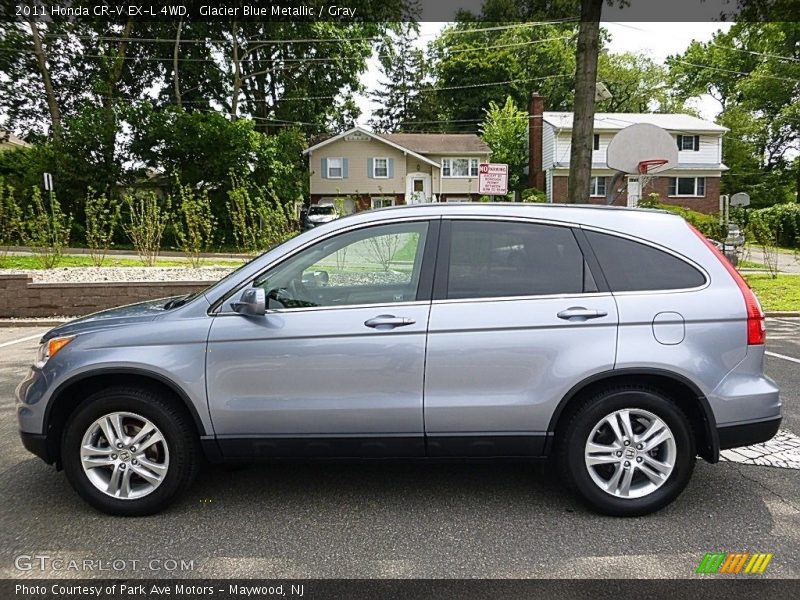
121	274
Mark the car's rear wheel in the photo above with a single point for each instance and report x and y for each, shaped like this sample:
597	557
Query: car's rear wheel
627	451
129	451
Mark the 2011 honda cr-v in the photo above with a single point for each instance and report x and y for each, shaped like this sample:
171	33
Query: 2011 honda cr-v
618	341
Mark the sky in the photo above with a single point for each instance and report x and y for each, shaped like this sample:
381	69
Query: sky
658	40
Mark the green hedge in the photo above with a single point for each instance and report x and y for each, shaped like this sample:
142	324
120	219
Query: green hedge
708	225
782	220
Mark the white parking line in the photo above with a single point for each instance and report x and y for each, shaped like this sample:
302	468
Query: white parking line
783	356
27	339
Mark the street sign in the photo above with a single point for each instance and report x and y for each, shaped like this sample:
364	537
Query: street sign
740	199
493	179
48	182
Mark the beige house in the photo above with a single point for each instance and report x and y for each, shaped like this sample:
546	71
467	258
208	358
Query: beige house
376	170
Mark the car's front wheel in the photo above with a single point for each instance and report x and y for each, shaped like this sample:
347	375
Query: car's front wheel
628	451
129	451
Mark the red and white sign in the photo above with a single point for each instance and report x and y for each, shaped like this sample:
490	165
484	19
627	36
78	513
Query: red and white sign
493	179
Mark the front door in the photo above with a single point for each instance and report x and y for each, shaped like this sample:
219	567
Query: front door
335	367
517	320
634	192
418	188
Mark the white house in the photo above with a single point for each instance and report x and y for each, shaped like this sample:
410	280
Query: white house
694	182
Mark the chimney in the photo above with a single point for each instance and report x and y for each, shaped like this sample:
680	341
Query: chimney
535	124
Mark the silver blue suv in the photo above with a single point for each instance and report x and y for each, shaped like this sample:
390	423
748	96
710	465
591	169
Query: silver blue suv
618	342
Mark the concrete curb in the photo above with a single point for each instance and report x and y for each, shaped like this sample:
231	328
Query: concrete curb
32	322
785	313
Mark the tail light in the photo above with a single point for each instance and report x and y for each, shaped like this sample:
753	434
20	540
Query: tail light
756	329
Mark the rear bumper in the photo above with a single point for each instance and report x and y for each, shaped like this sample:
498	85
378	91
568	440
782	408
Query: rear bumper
746	434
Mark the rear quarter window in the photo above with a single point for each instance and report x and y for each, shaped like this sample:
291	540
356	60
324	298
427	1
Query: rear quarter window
630	266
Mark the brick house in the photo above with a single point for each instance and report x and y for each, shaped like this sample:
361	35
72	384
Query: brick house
376	170
694	183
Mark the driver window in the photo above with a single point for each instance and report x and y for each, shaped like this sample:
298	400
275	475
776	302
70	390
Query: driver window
374	265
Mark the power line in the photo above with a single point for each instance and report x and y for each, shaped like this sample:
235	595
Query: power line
753	52
751	74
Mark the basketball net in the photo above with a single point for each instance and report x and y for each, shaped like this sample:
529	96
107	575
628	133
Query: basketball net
646	174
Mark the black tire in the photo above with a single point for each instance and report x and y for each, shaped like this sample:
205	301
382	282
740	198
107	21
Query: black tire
571	462
176	427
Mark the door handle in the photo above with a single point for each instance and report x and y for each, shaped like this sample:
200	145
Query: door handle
388	322
579	313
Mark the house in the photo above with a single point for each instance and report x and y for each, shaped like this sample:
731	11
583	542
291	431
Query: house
693	183
374	170
8	141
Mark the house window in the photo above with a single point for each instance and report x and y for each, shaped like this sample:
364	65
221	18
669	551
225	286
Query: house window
689	142
381	168
459	167
687	186
382	202
597	186
597	141
334	168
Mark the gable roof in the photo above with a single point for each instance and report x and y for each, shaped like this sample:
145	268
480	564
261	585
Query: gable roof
439	143
374	136
6	137
616	121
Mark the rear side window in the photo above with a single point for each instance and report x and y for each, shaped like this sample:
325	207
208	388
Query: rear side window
499	259
630	266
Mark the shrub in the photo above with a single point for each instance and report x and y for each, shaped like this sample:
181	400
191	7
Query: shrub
194	224
46	229
533	195
146	224
763	228
708	225
10	218
102	220
258	222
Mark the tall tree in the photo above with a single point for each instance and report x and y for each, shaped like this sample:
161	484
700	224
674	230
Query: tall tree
637	84
580	162
402	100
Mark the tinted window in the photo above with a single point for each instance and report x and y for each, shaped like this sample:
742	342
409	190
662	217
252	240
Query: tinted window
495	259
630	266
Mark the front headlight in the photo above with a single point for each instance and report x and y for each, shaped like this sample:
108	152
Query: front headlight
51	347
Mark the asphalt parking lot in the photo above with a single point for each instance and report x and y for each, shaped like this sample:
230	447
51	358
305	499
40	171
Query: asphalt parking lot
394	520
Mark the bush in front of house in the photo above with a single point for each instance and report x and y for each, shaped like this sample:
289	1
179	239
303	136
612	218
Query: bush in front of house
10	218
708	225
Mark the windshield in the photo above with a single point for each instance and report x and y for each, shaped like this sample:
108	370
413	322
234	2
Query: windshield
321	210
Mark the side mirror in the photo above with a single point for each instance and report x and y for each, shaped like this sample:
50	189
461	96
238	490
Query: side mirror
252	302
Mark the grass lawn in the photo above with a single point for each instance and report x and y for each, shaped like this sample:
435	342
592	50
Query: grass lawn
782	293
31	262
749	264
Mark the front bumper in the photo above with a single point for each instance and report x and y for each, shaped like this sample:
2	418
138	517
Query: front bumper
36	443
746	434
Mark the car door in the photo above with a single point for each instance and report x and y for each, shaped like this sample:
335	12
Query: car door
518	318
335	367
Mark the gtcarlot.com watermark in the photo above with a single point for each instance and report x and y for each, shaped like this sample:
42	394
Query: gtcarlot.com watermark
44	563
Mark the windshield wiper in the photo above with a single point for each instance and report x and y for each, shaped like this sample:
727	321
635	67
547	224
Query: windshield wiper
176	302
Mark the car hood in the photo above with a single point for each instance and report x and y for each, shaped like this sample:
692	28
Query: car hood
321	218
113	317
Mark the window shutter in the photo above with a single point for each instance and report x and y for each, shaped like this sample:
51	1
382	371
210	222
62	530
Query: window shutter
697	143
324	172
680	142
344	168
390	168
370	168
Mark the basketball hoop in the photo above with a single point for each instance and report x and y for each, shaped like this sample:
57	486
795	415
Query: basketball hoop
646	165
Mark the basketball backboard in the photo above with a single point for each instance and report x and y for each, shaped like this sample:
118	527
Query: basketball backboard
640	143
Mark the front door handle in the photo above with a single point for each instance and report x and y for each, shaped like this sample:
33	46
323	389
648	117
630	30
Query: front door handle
579	313
388	322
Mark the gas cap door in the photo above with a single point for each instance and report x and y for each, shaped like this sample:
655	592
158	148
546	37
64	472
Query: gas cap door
669	328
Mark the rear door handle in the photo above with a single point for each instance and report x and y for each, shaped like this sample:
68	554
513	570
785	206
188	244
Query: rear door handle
579	313
388	322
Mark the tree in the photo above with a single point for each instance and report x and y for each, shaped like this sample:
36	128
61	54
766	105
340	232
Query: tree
505	130
473	67
637	84
753	70
402	98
